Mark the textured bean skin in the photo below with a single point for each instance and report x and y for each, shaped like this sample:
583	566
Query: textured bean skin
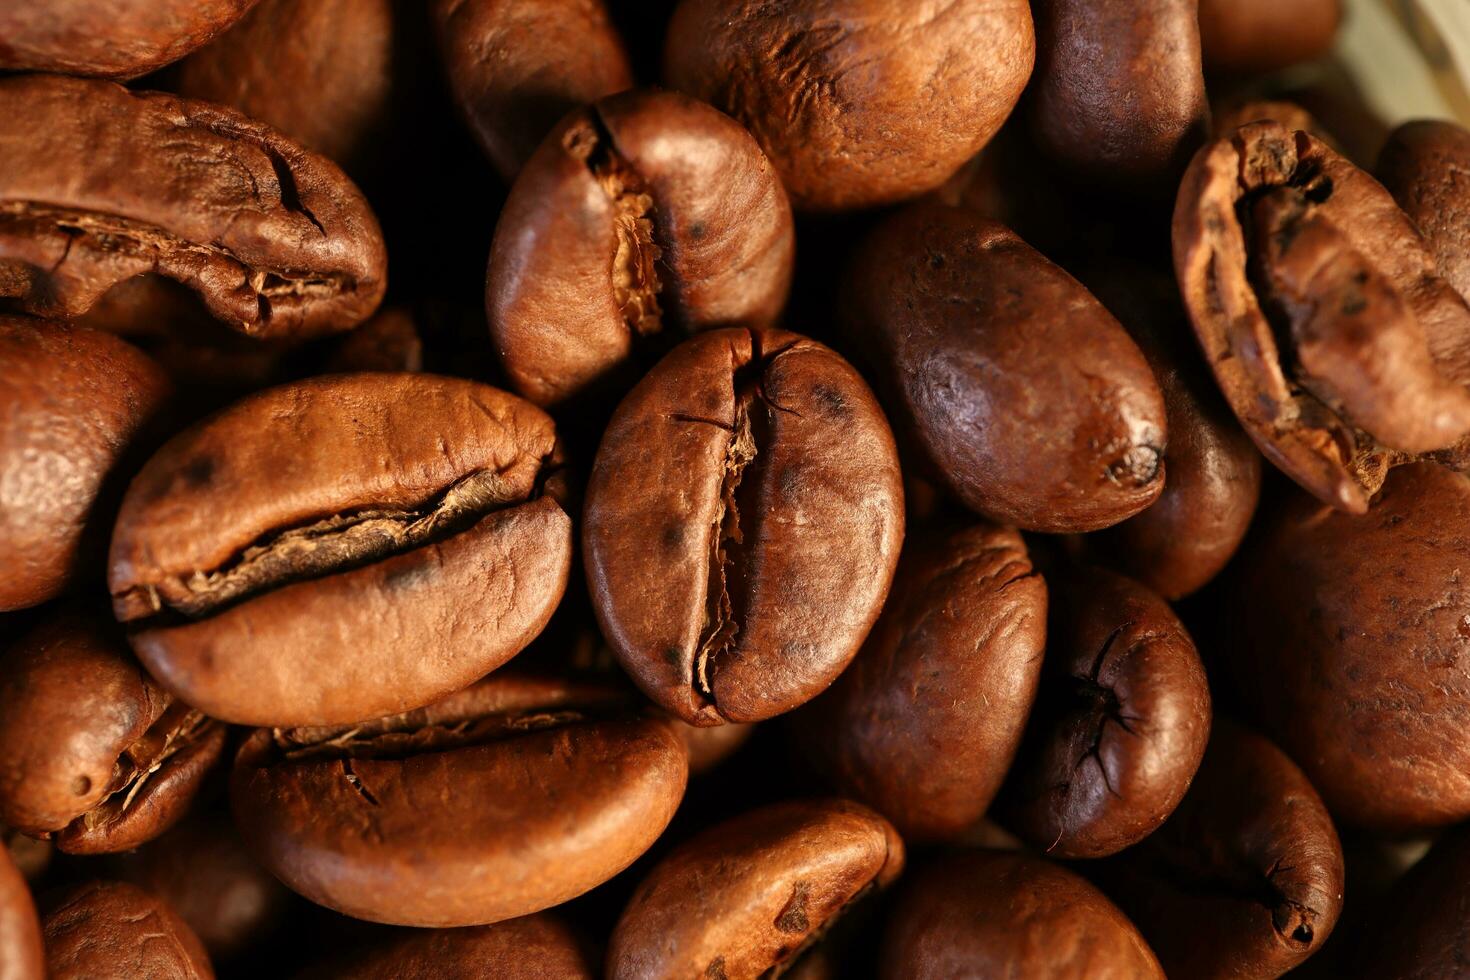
925	722
107	930
274	569
994	914
1251	36
1424	165
767	882
21	955
742	524
72	400
857	102
1027	398
1355	667
108	38
642	218
105	184
532	947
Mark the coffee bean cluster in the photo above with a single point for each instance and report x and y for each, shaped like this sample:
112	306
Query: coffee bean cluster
721	489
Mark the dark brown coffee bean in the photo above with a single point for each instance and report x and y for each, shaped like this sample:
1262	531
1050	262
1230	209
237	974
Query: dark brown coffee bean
106	930
642	218
1419	931
1121	721
1352	651
72	402
110	38
1423	165
1227	118
994	914
1243	37
708	747
743	522
320	72
509	797
533	947
1120	91
99	184
91	750
518	66
1025	395
21	955
926	721
30	855
1245	880
1320	312
342	547
388	342
857	102
766	885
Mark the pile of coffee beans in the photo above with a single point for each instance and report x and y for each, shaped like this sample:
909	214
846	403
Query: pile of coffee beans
722	489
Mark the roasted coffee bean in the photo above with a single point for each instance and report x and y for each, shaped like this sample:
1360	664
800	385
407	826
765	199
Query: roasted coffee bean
388	342
766	885
642	218
342	547
21	955
926	721
506	798
518	66
1245	880
743	521
110	38
996	914
1120	90
857	102
72	402
31	856
1423	165
92	752
708	747
1025	395
1121	721
1352	648
1419	930
320	72
106	930
1318	307
99	184
1242	37
534	947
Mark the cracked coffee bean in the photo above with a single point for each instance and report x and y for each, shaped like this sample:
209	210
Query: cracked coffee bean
343	547
92	752
742	524
509	797
1352	650
107	930
1028	400
1245	37
533	947
987	913
1121	720
21	954
1245	880
99	184
1320	311
73	402
925	722
641	219
765	885
858	103
1425	165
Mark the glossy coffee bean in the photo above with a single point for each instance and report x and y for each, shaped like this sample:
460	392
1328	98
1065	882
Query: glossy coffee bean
925	722
995	914
1120	91
72	402
1419	931
99	184
518	66
1121	721
1320	312
21	955
857	102
767	884
1025	395
109	38
1245	880
93	752
533	947
743	521
1423	165
642	218
1242	37
1352	648
291	560
107	930
506	798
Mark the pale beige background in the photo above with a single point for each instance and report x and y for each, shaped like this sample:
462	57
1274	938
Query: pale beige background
1411	57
